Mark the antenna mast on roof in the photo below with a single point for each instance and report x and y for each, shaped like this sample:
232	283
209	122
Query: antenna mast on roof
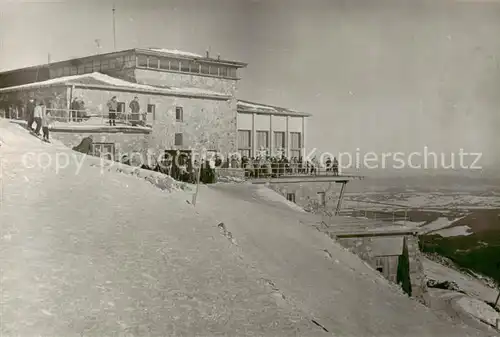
98	43
114	29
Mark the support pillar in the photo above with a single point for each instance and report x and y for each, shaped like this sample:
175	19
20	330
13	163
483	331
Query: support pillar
271	136
287	142
341	196
253	135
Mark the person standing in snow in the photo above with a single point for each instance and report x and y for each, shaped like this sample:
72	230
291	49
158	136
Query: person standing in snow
30	113
135	108
335	166
112	108
38	114
75	106
46	121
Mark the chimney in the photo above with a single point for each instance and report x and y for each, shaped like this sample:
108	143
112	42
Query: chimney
208	54
218	57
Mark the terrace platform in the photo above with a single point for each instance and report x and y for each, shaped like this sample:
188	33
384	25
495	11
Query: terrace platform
350	227
304	178
94	126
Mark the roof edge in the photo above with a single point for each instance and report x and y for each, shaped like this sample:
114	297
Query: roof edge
154	92
281	113
287	111
187	57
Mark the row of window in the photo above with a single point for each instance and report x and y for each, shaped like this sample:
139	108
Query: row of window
245	142
96	65
151	108
143	61
186	66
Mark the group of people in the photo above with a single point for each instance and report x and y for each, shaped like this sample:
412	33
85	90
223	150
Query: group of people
77	113
38	114
276	166
135	109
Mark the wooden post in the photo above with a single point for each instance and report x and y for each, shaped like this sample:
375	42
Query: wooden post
498	297
341	195
198	175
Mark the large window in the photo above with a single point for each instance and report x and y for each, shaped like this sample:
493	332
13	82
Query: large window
129	61
88	66
142	60
164	64
179	114
105	64
194	67
178	139
106	150
245	143
263	142
153	62
96	65
121	107
205	68
184	65
231	72
279	142
295	144
214	70
322	198
152	110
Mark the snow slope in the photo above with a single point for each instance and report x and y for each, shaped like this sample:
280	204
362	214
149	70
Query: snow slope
469	284
106	254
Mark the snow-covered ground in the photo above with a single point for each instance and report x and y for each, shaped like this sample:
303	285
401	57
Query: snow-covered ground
435	225
454	231
91	252
425	201
471	306
471	285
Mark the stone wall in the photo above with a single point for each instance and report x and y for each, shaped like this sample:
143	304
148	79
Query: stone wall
54	97
163	78
208	123
399	255
228	173
377	251
127	74
416	269
124	142
306	194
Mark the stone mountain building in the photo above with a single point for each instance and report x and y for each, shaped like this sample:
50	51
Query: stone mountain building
188	101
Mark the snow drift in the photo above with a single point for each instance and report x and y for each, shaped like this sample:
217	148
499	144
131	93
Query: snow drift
101	254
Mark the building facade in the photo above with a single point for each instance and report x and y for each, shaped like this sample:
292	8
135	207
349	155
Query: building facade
188	100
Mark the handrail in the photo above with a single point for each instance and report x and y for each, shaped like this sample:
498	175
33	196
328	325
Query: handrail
294	170
73	115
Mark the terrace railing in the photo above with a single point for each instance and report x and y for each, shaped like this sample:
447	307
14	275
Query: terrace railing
276	170
78	116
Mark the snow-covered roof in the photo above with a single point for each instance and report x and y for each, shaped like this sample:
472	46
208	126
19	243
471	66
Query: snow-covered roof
175	52
250	107
101	80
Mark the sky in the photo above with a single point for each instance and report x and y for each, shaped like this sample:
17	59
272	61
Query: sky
378	76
